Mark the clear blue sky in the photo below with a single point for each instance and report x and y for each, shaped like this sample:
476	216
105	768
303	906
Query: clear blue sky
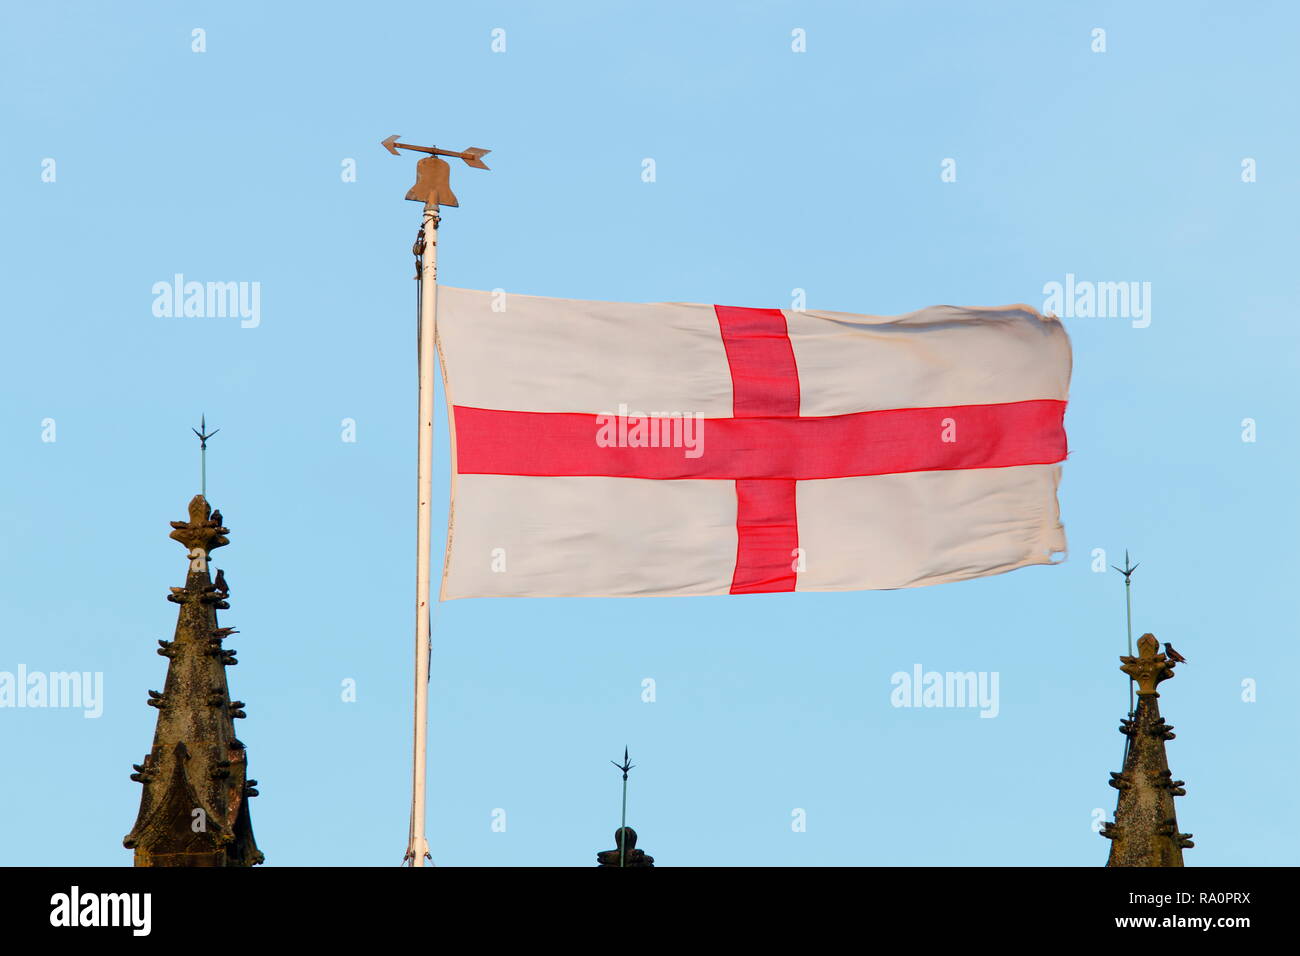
776	170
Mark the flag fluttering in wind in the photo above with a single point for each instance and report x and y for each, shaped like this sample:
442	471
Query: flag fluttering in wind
618	449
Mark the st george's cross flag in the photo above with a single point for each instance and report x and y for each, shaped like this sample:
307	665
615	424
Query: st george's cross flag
619	449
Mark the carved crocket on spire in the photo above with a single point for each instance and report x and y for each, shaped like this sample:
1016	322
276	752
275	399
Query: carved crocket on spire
194	808
1145	830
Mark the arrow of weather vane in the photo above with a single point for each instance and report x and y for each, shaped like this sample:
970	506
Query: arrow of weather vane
432	174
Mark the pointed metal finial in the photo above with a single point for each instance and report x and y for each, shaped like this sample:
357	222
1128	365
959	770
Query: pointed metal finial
202	431
1127	571
204	435
625	766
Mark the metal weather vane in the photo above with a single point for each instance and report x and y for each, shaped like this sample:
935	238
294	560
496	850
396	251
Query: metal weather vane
204	435
1127	571
625	766
433	174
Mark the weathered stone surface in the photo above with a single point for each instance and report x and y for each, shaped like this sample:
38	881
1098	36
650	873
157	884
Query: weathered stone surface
631	856
194	808
1145	829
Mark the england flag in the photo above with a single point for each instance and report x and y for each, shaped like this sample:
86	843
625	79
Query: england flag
635	450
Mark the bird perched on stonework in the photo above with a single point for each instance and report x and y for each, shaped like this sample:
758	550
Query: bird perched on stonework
216	516
220	583
1173	655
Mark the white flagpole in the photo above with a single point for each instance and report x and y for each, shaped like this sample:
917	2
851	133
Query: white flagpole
433	187
417	850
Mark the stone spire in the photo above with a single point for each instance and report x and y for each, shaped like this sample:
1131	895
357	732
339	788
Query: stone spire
1145	831
194	808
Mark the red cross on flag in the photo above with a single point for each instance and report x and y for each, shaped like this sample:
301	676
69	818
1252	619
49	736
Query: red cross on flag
620	449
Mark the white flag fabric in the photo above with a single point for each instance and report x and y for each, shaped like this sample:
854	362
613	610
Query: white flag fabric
620	449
